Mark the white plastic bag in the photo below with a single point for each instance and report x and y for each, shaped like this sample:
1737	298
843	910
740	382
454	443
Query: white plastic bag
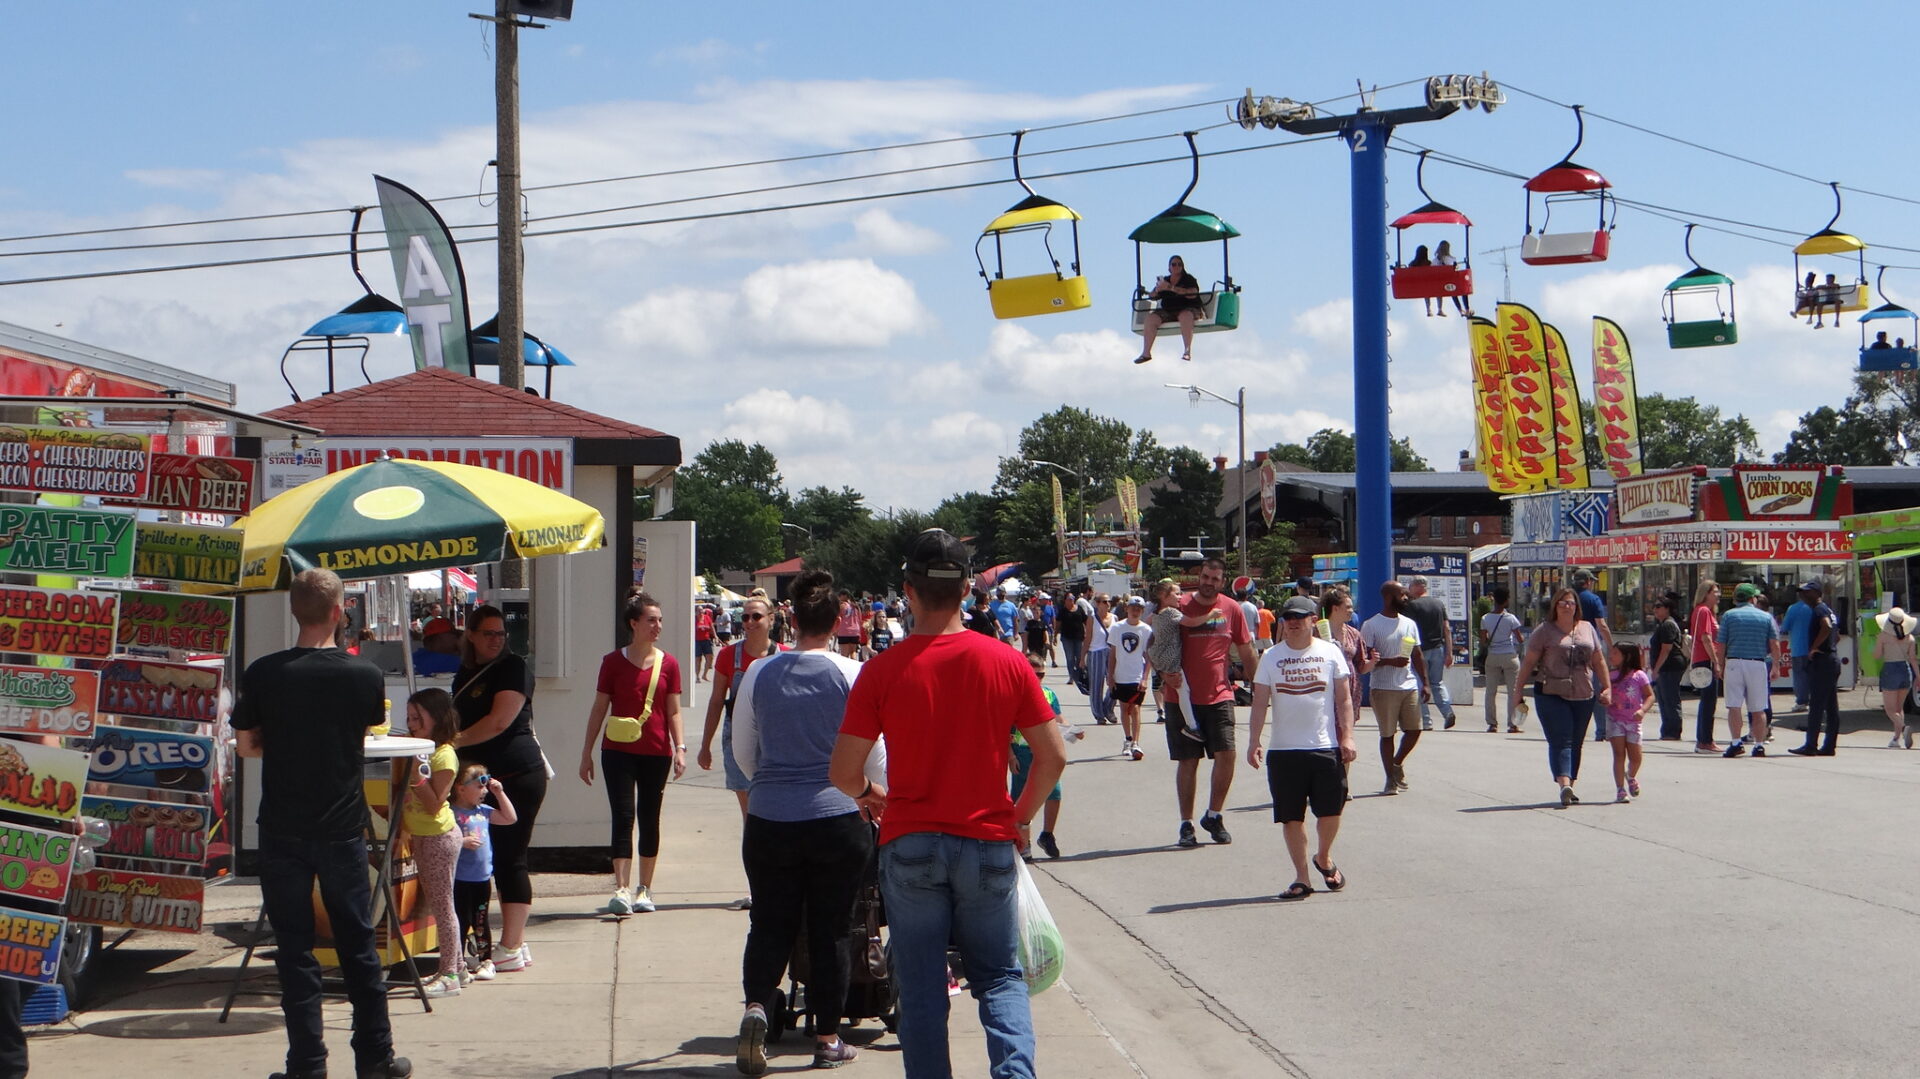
1043	955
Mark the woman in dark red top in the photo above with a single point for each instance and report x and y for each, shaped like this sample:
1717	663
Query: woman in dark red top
636	771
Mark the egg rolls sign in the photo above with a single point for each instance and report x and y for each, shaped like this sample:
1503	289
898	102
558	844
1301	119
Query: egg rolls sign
177	622
41	781
35	864
57	622
70	542
189	554
151	831
45	700
138	900
74	461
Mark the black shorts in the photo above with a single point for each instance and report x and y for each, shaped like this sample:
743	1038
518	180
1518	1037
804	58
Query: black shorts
1129	692
1216	730
845	641
1299	778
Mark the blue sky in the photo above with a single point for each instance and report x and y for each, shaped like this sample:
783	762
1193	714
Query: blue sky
856	341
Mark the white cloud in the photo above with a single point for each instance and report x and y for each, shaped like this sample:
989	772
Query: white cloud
783	421
836	303
882	233
1326	322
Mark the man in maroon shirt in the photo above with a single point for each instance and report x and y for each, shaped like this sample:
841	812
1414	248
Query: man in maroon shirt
1205	652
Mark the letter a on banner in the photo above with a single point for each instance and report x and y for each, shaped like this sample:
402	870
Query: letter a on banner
1491	420
433	288
1616	400
1569	437
1529	385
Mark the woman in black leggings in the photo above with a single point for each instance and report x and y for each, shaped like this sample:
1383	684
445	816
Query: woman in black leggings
640	745
493	693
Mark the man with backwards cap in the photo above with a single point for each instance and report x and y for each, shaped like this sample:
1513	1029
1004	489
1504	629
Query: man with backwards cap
1303	677
1823	674
1746	668
439	651
944	699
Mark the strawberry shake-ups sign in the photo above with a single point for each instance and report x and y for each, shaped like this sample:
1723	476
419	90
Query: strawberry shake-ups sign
180	623
193	484
57	622
46	700
73	461
35	864
138	900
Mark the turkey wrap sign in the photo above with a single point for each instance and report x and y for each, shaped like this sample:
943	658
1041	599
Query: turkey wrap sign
190	554
35	864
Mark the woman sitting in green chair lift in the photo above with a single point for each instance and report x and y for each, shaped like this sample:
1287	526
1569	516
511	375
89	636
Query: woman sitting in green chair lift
1179	297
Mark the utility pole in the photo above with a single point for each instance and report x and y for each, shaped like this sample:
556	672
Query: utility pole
1366	132
506	157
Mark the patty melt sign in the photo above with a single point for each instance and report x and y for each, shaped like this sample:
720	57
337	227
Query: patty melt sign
72	461
69	542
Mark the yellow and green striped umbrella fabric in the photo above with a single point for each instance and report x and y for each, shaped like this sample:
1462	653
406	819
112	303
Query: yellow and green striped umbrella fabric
403	516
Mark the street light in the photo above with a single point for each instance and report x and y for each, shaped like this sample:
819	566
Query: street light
1079	502
1238	403
800	528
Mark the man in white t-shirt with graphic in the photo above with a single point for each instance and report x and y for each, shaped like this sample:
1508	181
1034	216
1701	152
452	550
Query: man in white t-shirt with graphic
1302	678
1397	683
1127	674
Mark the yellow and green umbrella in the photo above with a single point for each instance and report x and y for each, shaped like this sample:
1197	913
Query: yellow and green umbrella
395	516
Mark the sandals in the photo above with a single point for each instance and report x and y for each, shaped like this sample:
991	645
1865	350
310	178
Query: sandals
1296	892
1335	879
1187	355
1142	358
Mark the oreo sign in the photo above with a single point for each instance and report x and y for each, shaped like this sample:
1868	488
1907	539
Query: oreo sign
156	759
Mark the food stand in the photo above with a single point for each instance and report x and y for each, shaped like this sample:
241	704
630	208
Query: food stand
1886	566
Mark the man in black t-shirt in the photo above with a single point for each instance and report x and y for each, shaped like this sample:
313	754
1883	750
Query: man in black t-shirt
1436	647
304	713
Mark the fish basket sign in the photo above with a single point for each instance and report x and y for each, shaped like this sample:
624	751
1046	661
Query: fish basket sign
189	554
45	700
57	622
151	831
175	622
195	484
41	781
161	760
147	690
73	461
30	946
117	897
70	542
35	864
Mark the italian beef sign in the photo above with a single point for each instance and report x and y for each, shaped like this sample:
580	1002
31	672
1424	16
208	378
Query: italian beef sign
195	484
74	461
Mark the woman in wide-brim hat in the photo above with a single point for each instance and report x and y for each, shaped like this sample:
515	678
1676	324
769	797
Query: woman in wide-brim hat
1894	649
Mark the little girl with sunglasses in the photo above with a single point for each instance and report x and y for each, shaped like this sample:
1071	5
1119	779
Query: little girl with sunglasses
473	874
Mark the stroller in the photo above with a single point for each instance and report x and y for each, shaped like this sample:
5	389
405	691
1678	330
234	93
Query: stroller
871	990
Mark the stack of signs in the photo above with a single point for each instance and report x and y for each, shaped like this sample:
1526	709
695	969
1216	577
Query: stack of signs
43	784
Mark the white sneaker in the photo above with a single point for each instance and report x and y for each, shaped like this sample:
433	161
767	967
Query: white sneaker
466	977
621	903
642	901
1894	742
526	953
1135	751
484	972
512	961
442	986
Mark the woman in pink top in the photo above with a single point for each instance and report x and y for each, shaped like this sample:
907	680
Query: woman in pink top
1336	605
1705	626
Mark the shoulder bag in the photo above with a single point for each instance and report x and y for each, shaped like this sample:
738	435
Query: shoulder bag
624	729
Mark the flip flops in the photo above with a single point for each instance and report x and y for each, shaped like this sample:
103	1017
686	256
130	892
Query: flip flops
1295	892
1335	879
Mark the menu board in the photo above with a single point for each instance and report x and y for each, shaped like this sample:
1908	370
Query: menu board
163	760
35	864
41	781
30	946
47	700
191	483
181	623
73	461
119	897
57	622
151	831
189	554
73	542
147	689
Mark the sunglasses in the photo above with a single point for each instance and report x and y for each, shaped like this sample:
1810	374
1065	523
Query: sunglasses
482	779
752	617
1294	616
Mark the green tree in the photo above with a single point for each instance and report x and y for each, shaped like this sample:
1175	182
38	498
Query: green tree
971	513
1855	434
1271	555
825	512
1024	525
1676	432
866	555
1098	448
1184	508
1331	450
732	492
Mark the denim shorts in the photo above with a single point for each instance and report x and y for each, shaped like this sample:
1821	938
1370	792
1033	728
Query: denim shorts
736	779
1896	676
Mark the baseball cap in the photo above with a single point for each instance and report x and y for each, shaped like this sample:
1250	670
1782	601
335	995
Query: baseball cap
1745	592
1299	607
1812	584
1136	601
436	626
936	553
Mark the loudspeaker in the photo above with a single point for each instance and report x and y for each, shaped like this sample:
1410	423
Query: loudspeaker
550	10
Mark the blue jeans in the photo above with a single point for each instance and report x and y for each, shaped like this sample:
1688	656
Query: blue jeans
1436	661
288	869
942	888
1071	646
1565	724
1800	684
1709	700
1099	694
1666	690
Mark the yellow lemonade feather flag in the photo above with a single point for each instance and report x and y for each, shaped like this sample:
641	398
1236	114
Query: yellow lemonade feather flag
1569	437
1490	407
1059	512
1616	400
1523	348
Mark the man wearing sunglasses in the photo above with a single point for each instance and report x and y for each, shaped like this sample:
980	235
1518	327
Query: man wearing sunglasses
1304	678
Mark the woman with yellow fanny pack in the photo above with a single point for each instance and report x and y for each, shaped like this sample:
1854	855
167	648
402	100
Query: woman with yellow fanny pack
636	721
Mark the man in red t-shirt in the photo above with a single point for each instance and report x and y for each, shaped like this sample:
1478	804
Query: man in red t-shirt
1205	652
703	643
947	700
